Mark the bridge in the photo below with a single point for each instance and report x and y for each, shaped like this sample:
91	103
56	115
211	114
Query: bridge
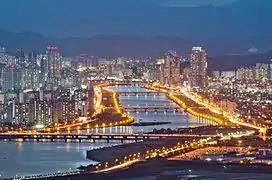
117	83
146	108
153	108
92	137
140	93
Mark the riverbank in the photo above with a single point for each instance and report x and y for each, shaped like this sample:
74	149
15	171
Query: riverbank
197	110
105	117
120	151
202	130
164	169
149	123
193	107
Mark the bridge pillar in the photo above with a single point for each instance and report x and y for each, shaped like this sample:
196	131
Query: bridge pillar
52	140
93	140
122	141
79	140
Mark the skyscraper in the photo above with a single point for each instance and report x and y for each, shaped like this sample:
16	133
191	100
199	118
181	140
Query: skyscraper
52	65
198	61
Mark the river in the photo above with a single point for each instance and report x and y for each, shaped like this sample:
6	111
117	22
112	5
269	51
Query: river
26	158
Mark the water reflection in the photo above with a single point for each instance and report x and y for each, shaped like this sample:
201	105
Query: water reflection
25	158
177	118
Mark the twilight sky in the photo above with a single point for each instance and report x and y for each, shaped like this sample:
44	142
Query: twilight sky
195	2
62	18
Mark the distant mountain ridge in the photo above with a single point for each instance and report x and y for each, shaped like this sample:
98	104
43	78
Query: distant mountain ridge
131	46
133	29
112	46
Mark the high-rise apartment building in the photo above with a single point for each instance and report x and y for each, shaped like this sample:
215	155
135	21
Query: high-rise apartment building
20	58
198	61
90	103
11	77
261	72
245	74
52	65
32	58
80	98
170	69
270	72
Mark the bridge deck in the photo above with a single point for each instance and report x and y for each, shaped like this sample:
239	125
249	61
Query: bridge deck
149	107
139	92
93	137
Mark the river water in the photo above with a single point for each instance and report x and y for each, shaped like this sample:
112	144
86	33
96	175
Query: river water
26	158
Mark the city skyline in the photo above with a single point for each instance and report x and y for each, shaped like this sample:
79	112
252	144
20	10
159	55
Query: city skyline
125	89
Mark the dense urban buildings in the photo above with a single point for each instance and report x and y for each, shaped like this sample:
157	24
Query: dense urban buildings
39	89
53	94
42	89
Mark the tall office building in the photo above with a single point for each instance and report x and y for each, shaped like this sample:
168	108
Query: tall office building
198	61
52	65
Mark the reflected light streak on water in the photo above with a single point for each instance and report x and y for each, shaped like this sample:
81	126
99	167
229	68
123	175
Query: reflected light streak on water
25	158
177	119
